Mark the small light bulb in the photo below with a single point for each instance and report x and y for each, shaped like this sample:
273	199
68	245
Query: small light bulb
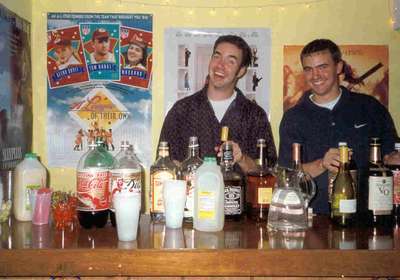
213	12
235	12
259	10
308	6
282	8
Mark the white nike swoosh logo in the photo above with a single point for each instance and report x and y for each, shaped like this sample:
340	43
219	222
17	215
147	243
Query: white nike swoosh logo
359	125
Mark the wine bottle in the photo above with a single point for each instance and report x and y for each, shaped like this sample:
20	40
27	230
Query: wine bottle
344	203
394	166
380	188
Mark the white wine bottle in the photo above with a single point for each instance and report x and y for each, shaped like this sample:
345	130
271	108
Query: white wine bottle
344	203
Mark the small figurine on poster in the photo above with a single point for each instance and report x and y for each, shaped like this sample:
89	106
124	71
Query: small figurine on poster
255	80
187	56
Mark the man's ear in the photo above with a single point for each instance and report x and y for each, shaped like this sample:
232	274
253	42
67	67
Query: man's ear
242	71
339	67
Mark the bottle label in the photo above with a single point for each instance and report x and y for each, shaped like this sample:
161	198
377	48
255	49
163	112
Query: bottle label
233	200
190	186
207	203
264	195
124	180
157	201
396	186
380	194
348	206
291	198
93	189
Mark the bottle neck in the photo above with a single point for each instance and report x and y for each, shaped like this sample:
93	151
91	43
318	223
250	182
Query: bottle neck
163	153
193	152
375	155
261	161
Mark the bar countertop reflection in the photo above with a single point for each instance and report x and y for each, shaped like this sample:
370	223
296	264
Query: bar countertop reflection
241	249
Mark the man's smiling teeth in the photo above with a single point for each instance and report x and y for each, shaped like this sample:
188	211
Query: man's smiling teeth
219	74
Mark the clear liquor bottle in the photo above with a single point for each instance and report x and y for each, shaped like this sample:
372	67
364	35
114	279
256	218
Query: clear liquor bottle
234	187
188	170
260	184
380	188
162	169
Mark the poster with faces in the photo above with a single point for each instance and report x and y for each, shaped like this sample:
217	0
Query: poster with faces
65	59
136	56
101	44
99	69
188	52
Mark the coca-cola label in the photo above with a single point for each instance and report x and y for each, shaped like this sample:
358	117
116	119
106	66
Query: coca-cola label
124	180
92	189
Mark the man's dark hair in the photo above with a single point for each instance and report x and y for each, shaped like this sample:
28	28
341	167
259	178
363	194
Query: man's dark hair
319	45
239	43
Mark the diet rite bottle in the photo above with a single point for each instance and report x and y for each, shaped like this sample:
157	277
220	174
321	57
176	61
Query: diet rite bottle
93	176
30	175
126	175
209	197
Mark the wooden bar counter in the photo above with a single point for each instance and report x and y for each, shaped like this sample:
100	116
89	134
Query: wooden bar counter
243	249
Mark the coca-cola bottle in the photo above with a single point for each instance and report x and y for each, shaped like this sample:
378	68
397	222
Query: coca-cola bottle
126	174
93	176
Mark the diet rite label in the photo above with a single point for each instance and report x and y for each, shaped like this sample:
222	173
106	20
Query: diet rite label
125	180
92	189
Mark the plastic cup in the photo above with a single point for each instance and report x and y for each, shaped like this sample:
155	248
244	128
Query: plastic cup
174	194
41	211
174	238
127	212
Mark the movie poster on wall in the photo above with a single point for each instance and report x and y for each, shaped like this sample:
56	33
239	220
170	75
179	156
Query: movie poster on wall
99	84
16	88
189	51
366	71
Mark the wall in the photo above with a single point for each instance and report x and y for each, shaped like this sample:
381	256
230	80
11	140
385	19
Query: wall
23	8
344	21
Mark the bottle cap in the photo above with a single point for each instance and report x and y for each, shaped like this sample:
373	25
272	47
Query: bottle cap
340	144
261	142
224	133
193	142
30	155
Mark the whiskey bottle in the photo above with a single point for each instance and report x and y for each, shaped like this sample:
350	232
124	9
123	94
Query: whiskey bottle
233	186
260	184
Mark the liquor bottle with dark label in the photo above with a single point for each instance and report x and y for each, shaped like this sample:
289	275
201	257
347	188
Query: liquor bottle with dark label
260	184
344	203
380	188
394	166
162	169
234	188
188	170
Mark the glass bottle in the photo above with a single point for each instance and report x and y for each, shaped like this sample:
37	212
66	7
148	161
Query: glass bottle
189	167
162	169
306	183
126	174
93	175
394	166
380	188
344	203
260	183
234	189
